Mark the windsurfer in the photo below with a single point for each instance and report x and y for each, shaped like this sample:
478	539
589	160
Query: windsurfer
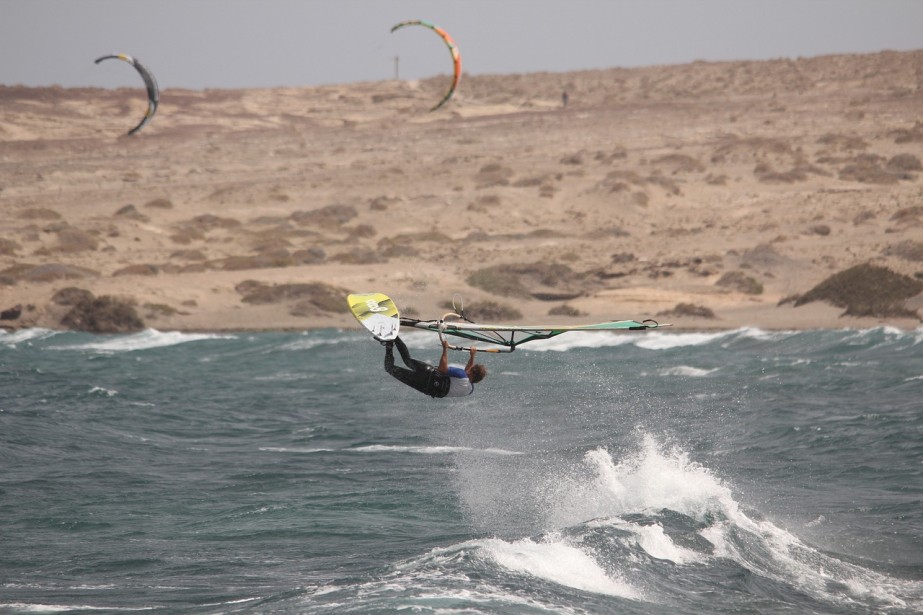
442	381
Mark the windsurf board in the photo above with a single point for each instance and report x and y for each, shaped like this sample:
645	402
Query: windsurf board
377	313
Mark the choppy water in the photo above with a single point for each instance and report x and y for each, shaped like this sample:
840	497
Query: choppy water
737	472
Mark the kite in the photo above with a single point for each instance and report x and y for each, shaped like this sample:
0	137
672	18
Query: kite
153	92
453	49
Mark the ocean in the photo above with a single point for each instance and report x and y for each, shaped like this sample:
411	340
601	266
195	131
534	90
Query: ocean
741	471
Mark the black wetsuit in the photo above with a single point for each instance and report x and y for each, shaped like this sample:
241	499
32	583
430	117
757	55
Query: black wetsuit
420	376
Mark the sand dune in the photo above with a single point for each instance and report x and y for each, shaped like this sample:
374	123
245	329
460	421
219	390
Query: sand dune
704	194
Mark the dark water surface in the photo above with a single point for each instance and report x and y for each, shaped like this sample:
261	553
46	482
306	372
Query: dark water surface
736	472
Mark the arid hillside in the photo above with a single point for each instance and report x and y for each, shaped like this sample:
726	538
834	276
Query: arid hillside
709	195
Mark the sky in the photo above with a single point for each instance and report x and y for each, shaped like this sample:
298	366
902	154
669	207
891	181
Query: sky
200	44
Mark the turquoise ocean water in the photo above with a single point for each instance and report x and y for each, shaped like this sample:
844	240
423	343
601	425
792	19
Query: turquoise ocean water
735	472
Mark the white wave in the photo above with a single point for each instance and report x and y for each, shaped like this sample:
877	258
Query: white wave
22	607
647	482
429	450
309	341
653	540
793	562
382	448
147	339
581	339
300	451
103	392
668	341
653	479
554	559
686	370
25	335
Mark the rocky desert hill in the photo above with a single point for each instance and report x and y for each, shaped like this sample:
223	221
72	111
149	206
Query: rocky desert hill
711	195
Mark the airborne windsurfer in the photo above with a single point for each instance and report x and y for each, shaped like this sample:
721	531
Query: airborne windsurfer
442	381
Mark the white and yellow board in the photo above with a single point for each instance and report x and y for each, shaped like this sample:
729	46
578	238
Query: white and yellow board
377	313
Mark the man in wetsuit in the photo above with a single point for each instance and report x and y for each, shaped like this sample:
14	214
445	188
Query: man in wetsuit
442	381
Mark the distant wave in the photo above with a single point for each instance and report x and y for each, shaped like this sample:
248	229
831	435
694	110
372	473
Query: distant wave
384	448
25	335
430	450
686	370
663	340
147	339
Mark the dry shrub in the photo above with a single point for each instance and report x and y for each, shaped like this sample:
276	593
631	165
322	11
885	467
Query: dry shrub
493	174
908	135
39	213
763	256
381	203
188	255
159	204
908	215
323	297
485	203
8	247
740	282
738	150
71	295
105	314
904	163
362	231
137	270
185	236
309	256
358	256
843	142
256	261
679	163
866	290
404	243
157	310
486	311
573	159
75	240
767	175
818	229
867	169
908	250
53	272
667	184
329	216
565	310
689	310
516	280
531	182
208	222
131	212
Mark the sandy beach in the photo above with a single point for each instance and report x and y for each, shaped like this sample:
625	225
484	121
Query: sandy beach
707	195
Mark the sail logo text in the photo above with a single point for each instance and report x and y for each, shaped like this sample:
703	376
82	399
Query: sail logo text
374	307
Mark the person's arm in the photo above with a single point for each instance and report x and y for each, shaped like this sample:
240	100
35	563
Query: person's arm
444	359
470	364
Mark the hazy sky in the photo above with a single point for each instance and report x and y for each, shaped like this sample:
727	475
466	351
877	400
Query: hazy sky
262	43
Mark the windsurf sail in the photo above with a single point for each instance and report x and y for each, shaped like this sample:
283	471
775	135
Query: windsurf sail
509	337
